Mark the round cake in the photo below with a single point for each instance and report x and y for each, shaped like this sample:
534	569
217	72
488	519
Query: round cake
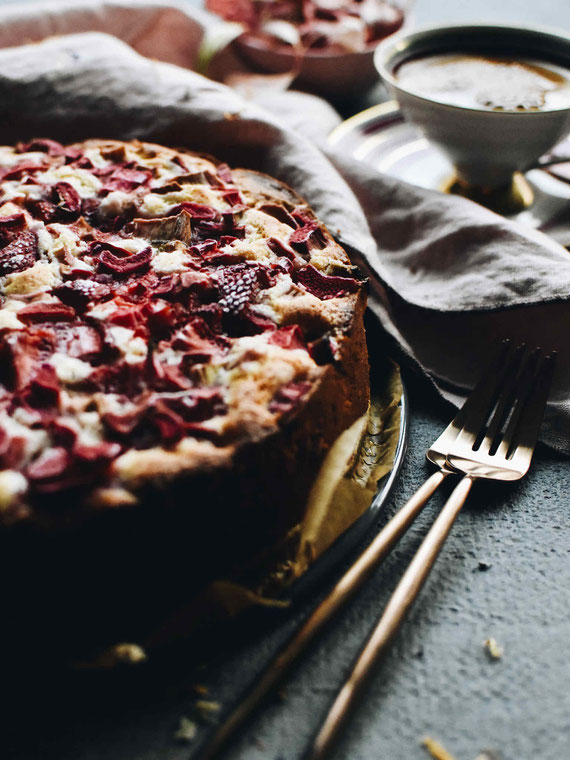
180	345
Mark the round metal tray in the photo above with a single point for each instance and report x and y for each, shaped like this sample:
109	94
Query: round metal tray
353	535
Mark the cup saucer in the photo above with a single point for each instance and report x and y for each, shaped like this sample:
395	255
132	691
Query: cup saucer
381	137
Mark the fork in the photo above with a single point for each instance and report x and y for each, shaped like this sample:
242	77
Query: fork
493	437
480	398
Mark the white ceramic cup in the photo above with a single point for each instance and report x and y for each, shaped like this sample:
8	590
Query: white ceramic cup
486	147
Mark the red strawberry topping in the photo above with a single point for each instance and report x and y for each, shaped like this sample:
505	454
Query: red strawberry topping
290	337
43	145
67	199
126	179
19	254
126	265
188	310
46	312
287	397
325	286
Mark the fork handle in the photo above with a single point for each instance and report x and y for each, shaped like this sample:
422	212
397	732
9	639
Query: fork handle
394	613
342	591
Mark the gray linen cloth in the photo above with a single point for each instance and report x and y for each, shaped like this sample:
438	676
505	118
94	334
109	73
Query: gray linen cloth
446	276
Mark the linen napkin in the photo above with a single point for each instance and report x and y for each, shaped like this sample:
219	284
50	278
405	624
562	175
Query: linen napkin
446	275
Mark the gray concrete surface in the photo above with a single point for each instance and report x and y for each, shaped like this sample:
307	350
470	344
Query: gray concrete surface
437	679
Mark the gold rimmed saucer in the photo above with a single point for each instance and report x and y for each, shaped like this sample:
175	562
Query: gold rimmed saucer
385	141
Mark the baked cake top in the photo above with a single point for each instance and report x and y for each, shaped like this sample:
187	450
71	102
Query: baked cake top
156	309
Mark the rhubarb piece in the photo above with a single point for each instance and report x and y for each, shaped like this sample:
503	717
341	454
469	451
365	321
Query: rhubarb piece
126	265
177	227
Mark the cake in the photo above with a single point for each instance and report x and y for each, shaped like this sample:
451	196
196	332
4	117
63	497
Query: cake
180	344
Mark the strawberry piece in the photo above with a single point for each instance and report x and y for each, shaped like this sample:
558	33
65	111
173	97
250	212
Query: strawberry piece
26	166
97	452
224	172
123	424
46	312
120	377
44	210
62	433
10	226
43	391
307	237
128	314
325	286
79	341
197	405
67	199
196	210
21	354
19	254
126	179
280	213
281	249
52	463
43	145
79	293
290	337
287	397
12	450
170	426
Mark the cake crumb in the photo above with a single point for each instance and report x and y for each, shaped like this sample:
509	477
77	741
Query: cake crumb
205	709
186	731
493	649
488	754
119	655
435	749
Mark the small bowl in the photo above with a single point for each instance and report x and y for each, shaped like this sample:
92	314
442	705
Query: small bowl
330	73
486	147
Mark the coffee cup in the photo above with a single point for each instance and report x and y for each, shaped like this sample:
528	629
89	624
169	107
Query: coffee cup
486	145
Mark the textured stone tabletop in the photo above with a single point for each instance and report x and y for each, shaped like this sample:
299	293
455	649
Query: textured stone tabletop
504	573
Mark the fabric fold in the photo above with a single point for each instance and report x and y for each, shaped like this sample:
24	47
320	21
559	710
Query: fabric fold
447	277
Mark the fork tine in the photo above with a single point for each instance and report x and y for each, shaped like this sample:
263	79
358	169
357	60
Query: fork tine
511	399
525	434
520	394
495	386
486	389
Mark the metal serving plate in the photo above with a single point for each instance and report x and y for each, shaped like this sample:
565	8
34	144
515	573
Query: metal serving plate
346	543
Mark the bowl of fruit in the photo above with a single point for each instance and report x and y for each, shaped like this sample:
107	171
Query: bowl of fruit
327	45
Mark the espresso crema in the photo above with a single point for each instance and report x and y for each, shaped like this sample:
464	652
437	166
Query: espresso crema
490	84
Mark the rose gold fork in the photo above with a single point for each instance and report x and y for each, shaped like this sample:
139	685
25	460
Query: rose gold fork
478	403
494	439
